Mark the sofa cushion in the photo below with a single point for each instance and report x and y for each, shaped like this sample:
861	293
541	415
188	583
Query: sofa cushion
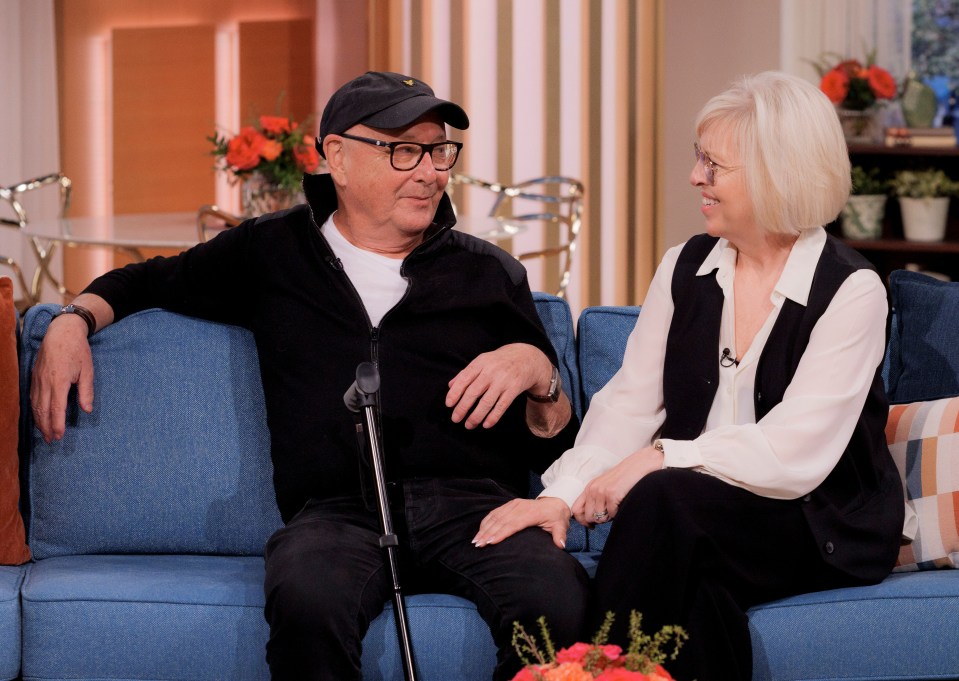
602	332
201	618
558	321
174	457
924	440
10	579
923	362
145	617
13	547
902	628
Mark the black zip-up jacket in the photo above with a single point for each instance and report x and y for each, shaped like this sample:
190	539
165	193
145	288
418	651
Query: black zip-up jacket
277	276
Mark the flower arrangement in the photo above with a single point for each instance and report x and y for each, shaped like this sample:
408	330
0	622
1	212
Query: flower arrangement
918	184
597	660
867	182
852	85
278	150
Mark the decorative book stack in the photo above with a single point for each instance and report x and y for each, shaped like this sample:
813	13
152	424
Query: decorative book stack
920	137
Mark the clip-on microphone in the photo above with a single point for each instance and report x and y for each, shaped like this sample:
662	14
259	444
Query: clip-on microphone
362	396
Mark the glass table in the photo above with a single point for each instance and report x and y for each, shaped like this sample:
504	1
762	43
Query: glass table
132	233
128	234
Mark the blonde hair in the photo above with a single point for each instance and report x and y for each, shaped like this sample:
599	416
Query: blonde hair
791	147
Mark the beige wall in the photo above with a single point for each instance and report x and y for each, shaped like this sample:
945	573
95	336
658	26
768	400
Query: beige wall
707	44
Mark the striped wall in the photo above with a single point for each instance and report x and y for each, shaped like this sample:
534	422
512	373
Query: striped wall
552	87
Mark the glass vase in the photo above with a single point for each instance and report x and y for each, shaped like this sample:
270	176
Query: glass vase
259	196
861	127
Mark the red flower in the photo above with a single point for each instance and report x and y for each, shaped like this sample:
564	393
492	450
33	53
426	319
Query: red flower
243	151
852	85
881	82
275	125
306	158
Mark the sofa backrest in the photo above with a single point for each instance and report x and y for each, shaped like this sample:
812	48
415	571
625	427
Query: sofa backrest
174	457
558	321
601	333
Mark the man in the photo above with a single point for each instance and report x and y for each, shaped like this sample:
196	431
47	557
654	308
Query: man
370	270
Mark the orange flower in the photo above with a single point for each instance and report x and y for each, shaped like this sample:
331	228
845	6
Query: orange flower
306	158
243	151
275	125
622	674
271	149
836	85
568	671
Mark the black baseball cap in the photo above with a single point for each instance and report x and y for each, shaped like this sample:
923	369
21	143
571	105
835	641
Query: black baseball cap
381	99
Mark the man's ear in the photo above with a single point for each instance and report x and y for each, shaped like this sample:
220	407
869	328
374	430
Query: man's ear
335	159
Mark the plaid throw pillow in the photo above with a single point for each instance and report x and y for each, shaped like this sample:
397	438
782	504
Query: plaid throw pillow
924	440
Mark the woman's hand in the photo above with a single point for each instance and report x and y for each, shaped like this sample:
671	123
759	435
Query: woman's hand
600	501
550	513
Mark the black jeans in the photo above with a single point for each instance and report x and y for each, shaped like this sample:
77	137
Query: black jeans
326	578
687	548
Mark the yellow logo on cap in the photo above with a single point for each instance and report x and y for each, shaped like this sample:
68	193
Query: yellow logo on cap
408	82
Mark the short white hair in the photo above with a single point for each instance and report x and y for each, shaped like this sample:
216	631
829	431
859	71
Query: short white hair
791	147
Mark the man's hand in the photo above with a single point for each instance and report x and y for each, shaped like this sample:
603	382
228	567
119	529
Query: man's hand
600	501
64	360
490	383
550	513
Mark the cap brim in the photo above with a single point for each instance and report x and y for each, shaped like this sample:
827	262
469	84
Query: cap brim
410	110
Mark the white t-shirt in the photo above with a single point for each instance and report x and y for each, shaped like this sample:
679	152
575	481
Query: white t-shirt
376	277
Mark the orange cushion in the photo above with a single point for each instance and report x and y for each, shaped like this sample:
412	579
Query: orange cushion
13	546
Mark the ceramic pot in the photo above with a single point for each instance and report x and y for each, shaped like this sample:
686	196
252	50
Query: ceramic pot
260	196
924	219
862	216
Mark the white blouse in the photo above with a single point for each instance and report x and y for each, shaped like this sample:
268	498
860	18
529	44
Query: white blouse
792	449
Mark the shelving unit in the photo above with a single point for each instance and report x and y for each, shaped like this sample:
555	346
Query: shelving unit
892	251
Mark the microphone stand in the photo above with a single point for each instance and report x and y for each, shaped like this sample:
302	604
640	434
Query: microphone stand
361	396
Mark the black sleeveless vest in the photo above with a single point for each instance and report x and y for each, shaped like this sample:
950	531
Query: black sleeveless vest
856	514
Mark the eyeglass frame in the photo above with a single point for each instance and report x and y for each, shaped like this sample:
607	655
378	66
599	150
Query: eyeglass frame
709	165
424	148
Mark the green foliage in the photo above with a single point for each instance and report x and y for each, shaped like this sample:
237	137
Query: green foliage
868	181
919	184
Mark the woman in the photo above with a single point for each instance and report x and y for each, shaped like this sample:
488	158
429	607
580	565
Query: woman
741	447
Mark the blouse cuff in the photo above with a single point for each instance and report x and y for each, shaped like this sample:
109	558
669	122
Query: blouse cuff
681	454
566	488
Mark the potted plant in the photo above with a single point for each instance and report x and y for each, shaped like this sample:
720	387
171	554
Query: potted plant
857	89
864	210
924	200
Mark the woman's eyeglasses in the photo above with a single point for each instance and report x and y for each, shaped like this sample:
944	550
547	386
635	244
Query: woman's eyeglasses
710	167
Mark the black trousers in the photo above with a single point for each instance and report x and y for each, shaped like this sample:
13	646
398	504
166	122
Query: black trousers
689	549
326	579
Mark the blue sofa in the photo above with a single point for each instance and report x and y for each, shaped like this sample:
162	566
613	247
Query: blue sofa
148	520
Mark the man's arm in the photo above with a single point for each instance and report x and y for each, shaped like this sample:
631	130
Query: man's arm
64	360
483	391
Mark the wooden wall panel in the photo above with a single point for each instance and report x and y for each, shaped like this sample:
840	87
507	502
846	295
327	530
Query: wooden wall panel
163	106
276	69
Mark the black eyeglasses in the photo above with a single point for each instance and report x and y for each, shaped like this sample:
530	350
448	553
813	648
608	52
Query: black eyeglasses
407	155
710	168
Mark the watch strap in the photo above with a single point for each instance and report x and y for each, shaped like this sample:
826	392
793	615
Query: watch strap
81	312
555	386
